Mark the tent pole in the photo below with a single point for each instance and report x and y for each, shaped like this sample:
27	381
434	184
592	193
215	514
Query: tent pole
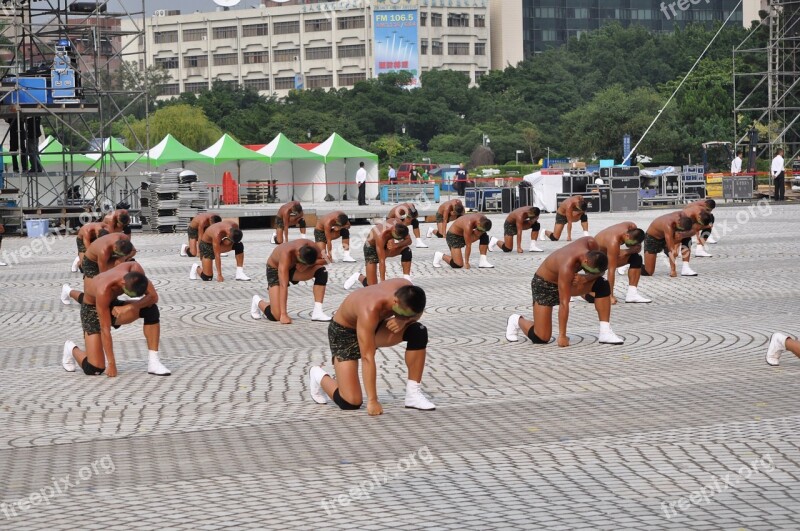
292	163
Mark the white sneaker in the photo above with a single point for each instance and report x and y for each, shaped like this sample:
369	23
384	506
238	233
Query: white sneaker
624	269
700	251
493	244
607	336
183	249
224	255
512	328
75	264
240	275
420	244
534	249
155	367
65	289
255	312
67	359
484	262
3	264
351	280
274	238
687	271
319	315
415	399
634	296
586	233
346	257
437	259
430	232
408	277
777	344
711	239
315	376
193	271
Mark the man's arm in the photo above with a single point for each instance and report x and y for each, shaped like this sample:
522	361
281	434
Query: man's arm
380	247
217	258
612	268
468	239
565	277
283	288
365	329
522	225
103	259
201	229
329	239
102	304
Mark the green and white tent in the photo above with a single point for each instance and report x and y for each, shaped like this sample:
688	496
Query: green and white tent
300	167
226	149
51	153
113	152
341	163
170	150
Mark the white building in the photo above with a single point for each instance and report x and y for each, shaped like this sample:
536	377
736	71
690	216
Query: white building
318	45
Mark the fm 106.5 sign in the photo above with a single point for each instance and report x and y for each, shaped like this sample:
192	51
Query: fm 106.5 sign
396	42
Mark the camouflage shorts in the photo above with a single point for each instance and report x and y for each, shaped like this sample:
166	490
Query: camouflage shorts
343	342
81	244
454	241
273	278
206	251
439	218
509	229
544	293
90	268
194	233
561	219
319	236
279	223
90	321
654	245
370	254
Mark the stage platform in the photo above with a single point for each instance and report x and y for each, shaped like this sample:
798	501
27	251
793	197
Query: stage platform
371	211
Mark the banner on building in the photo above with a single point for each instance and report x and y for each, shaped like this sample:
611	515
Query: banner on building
396	42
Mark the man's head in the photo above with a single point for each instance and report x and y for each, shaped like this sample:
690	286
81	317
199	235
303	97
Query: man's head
236	235
123	219
595	262
341	220
391	166
361	164
582	205
216	219
409	301
399	231
634	237
122	247
534	212
685	223
307	254
412	211
711	204
459	209
102	232
484	224
704	219
739	153
135	284
296	210
779	152
461	165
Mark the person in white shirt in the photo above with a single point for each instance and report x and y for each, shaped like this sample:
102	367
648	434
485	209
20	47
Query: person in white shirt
392	175
778	176
361	181
736	165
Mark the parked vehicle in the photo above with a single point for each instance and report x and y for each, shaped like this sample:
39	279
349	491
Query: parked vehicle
404	171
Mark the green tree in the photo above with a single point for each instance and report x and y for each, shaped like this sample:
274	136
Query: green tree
189	125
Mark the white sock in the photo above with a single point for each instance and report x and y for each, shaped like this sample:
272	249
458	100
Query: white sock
605	326
152	353
632	290
239	270
317	307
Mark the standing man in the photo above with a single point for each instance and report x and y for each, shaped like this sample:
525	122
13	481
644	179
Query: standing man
16	139
574	270
778	175
2	231
517	222
610	241
413	176
385	240
569	211
219	238
101	309
447	211
408	214
87	234
197	228
665	234
289	215
461	179
361	181
462	233
371	318
736	164
291	262
392	174
33	131
331	227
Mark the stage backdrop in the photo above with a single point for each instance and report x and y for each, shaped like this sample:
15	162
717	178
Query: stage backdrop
396	42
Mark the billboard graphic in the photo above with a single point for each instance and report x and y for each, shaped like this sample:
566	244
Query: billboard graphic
396	42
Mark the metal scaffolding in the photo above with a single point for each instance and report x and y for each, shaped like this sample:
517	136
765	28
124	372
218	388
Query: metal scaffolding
102	43
766	80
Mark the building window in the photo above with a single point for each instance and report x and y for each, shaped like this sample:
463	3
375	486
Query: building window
163	37
479	21
225	59
196	88
318	24
479	74
190	35
458	20
480	48
254	58
319	81
423	47
284	83
351	50
348	80
169	90
436	20
350	22
255	30
322	52
168	63
457	48
195	61
257	84
225	32
423	19
436	47
285	28
285	56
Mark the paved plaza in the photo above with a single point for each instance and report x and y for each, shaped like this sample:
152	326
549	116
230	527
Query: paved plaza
682	427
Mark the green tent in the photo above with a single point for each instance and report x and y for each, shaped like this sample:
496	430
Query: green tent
170	150
281	149
113	151
337	148
226	149
51	153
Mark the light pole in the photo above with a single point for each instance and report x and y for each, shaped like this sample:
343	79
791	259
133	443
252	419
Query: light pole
486	140
548	157
308	134
403	128
519	152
